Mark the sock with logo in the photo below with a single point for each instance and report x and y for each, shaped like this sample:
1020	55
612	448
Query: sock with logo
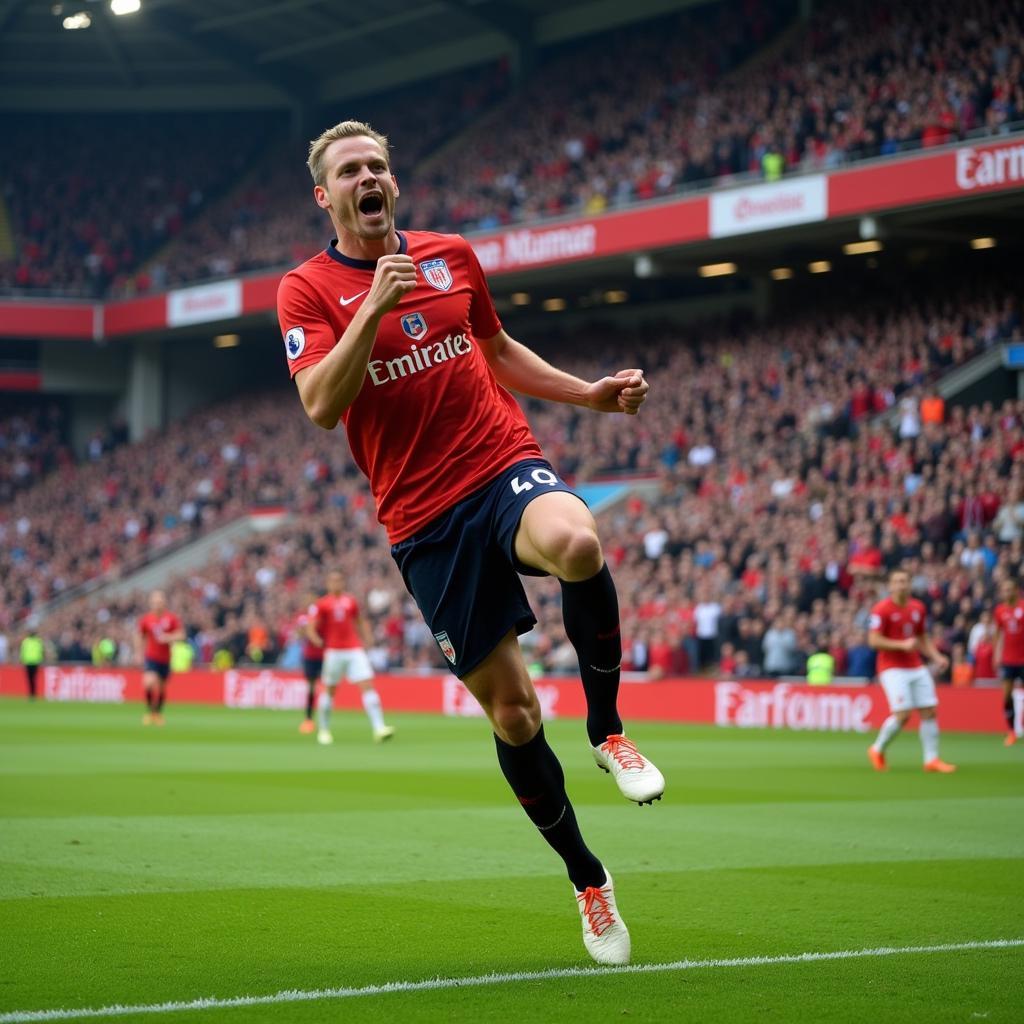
929	733
590	611
374	711
890	729
536	778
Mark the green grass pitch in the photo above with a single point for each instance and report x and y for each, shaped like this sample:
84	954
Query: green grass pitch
226	855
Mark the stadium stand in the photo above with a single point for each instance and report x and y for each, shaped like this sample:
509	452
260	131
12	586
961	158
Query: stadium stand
765	533
32	445
135	181
710	94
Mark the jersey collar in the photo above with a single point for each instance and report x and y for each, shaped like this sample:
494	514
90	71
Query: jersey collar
348	261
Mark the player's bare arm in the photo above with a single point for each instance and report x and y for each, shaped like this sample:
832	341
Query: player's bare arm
927	647
883	643
331	386
312	635
364	631
522	370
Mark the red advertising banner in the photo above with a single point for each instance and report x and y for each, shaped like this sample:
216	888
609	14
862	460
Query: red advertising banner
952	174
758	704
46	319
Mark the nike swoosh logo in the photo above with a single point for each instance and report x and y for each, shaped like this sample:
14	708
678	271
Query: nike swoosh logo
345	302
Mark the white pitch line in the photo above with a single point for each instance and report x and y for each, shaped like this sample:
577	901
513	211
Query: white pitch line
436	984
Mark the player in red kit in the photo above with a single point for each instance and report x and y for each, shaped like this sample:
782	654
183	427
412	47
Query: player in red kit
1009	644
394	334
897	631
337	628
312	659
158	629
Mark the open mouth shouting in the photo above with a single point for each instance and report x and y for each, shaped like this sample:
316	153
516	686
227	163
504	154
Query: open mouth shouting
371	205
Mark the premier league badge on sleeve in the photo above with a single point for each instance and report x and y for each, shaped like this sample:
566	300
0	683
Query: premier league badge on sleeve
295	342
414	325
436	274
447	648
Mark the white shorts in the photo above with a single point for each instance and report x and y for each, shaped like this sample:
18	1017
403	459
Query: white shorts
908	688
351	664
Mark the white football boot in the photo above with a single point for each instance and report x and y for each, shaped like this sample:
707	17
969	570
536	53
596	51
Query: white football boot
604	933
324	737
385	732
636	777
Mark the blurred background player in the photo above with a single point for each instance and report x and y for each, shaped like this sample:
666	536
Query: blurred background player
897	632
312	658
341	633
32	654
158	629
1009	656
460	481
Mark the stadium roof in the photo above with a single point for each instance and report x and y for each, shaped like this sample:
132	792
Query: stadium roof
235	54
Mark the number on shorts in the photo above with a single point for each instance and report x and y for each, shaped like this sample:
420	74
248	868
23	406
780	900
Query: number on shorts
541	476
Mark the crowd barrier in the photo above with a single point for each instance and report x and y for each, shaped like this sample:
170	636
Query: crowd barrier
760	704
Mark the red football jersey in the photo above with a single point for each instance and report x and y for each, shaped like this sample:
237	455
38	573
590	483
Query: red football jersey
310	651
152	627
336	622
431	423
1010	620
897	622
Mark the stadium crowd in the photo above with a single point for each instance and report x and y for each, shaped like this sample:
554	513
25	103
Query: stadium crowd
734	88
133	184
776	497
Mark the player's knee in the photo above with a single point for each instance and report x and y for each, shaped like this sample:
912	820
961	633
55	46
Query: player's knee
578	554
516	721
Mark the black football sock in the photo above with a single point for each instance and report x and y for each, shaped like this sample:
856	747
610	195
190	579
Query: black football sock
1008	710
310	700
149	698
536	778
158	700
590	611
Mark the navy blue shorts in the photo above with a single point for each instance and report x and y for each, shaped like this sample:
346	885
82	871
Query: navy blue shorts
161	668
462	569
1013	673
311	668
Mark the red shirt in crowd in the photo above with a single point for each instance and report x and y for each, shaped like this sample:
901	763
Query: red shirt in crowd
897	622
335	619
1010	620
431	423
154	627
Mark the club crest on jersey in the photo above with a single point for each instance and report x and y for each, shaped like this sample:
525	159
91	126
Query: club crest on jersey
446	646
295	342
437	274
415	325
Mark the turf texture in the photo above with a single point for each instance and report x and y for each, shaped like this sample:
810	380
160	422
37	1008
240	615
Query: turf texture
225	855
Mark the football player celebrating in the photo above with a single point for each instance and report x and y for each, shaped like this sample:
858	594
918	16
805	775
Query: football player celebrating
1009	651
897	632
394	334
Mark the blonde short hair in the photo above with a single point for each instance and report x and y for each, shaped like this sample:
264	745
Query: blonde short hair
342	130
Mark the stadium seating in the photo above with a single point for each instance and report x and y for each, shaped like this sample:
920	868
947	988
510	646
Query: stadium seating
772	501
134	182
709	94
